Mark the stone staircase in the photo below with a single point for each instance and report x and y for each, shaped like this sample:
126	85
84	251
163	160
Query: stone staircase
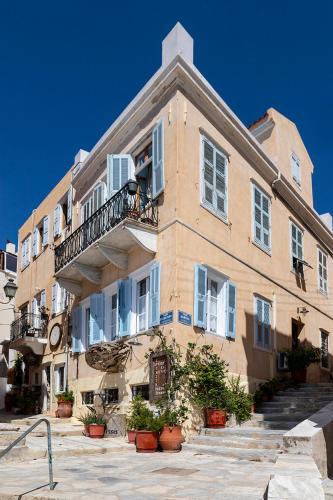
261	438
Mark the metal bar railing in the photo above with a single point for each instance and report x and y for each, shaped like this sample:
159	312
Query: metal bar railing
49	447
28	325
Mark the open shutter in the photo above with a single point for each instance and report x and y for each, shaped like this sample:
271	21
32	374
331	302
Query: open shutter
200	295
28	250
69	204
77	329
231	311
35	235
96	318
45	231
125	302
43	298
54	298
120	169
158	160
267	324
154	295
56	220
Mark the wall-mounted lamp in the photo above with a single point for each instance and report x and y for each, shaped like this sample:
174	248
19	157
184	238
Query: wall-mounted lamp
10	290
302	310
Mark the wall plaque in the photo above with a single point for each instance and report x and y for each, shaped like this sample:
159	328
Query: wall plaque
159	375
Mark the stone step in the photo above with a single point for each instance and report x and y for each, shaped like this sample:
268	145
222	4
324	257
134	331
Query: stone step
289	410
6	438
306	391
275	425
270	417
242	431
20	453
297	398
252	455
237	442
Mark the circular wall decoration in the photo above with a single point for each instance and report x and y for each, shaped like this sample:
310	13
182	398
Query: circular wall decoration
55	335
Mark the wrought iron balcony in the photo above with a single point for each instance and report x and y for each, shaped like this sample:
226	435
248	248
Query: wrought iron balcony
124	205
28	325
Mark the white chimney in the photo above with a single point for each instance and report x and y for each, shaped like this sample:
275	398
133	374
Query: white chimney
177	42
10	247
327	220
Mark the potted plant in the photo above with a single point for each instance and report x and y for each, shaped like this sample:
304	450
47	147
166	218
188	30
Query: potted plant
137	408
173	415
86	419
96	426
148	427
65	404
239	401
206	378
299	359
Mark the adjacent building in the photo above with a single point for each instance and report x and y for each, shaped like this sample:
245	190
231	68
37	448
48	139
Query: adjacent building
183	219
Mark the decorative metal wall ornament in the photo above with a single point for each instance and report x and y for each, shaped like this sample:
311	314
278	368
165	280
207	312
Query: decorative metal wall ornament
108	356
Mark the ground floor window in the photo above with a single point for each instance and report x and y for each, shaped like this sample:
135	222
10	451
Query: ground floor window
324	360
111	396
142	390
60	378
263	323
87	397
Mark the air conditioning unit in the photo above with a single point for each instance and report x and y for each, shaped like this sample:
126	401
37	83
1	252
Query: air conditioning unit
282	362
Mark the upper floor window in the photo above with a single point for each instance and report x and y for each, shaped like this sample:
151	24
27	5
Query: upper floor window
261	219
94	201
322	271
295	169
142	304
263	323
214	302
57	220
296	247
214	178
25	252
59	298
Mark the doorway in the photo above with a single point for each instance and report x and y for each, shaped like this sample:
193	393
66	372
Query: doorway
46	387
296	328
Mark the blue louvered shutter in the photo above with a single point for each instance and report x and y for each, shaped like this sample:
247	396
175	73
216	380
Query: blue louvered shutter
231	311
200	296
120	169
45	231
35	236
96	331
154	295
158	159
124	304
77	329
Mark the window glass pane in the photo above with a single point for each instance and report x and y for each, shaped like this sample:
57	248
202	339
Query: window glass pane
208	152
142	305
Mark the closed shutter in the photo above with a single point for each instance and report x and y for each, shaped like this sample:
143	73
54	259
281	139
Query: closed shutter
27	254
200	296
45	231
296	168
99	196
56	220
154	295
231	311
267	324
97	311
43	298
125	302
69	204
120	169
35	236
158	159
54	298
214	178
261	219
77	329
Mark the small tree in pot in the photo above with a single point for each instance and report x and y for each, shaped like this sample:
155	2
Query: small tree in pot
65	404
137	409
299	359
173	415
206	378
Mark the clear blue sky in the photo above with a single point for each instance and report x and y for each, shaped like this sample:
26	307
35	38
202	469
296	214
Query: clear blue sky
68	68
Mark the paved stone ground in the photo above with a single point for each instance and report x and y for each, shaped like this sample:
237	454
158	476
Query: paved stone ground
127	475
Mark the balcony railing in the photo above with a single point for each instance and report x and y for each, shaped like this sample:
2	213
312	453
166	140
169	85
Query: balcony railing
29	325
122	205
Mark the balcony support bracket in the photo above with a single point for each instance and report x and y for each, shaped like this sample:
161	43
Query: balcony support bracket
146	239
117	257
89	272
70	285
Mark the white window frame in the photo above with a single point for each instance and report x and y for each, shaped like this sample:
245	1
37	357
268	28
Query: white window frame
26	251
204	203
146	299
109	291
292	254
136	276
295	160
321	331
87	203
57	378
322	281
257	242
222	282
99	185
261	345
58	302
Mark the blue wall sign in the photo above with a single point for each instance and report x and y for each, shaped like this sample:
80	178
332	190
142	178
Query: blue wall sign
166	318
185	318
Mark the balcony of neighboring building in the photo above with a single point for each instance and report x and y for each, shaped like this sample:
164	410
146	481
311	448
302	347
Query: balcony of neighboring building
29	333
128	218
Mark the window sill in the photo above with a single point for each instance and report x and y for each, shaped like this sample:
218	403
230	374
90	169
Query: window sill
219	335
323	293
267	252
216	214
25	267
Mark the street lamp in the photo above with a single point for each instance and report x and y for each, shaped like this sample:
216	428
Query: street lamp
10	290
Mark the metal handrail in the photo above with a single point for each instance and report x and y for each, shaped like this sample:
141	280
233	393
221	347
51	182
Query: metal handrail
49	447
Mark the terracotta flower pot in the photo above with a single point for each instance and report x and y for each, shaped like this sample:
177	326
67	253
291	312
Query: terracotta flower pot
96	431
215	418
299	376
171	438
65	409
146	441
131	436
253	408
86	430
